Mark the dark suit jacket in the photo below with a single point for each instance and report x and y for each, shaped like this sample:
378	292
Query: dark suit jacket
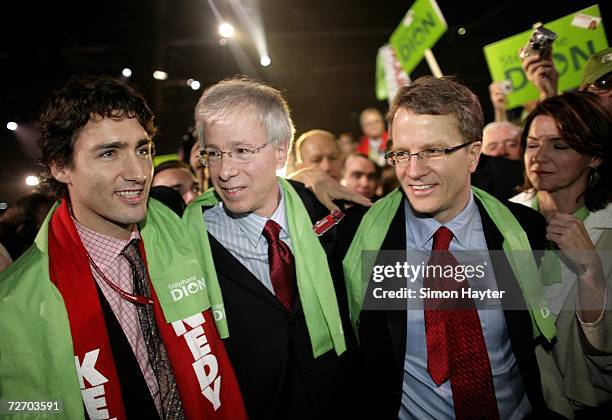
382	334
271	351
498	176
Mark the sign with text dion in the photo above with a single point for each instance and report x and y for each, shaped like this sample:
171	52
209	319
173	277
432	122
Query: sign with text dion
420	29
579	36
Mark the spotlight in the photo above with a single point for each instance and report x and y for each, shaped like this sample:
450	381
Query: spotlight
126	72
195	85
11	125
226	30
265	60
160	75
461	31
32	180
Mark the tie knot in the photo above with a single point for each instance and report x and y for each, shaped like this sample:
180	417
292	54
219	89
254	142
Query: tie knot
442	239
271	231
131	252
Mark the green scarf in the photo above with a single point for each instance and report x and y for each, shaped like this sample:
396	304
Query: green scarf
36	365
314	280
373	230
550	267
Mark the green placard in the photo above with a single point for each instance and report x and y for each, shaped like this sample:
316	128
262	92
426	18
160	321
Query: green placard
576	41
159	159
420	29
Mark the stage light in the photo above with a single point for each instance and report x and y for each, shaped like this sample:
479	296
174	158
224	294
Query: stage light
195	85
32	180
461	31
11	125
226	30
265	60
126	72
160	75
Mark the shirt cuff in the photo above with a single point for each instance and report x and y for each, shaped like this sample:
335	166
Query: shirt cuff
595	332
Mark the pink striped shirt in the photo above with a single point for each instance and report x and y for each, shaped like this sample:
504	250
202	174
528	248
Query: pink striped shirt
105	251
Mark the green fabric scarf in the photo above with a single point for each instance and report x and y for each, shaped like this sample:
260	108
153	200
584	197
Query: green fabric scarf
373	230
314	280
550	267
37	365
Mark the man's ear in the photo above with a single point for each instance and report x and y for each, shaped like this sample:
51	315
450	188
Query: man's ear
281	155
59	172
474	153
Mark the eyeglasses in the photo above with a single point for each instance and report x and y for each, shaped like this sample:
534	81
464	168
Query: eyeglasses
239	154
402	158
602	84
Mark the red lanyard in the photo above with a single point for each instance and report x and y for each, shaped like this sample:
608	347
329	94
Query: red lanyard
136	299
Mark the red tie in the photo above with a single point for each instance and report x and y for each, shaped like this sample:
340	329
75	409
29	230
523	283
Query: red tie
282	266
456	349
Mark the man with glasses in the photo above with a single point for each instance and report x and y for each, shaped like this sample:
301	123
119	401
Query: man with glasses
432	362
267	274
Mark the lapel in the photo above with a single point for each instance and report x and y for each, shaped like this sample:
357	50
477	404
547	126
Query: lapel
396	320
516	320
230	269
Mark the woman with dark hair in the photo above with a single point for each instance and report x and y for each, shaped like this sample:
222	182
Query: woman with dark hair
567	143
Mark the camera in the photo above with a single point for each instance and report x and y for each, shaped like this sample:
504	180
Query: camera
540	42
505	86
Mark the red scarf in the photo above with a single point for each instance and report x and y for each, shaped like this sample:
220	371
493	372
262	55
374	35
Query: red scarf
204	376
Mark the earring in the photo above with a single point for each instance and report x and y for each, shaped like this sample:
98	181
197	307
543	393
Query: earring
594	177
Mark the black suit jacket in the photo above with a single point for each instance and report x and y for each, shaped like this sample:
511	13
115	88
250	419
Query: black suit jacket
498	176
382	334
271	351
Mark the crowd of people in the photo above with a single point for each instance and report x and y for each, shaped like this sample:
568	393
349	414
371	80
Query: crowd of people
142	293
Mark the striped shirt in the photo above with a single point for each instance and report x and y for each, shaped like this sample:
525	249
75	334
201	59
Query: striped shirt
242	236
105	251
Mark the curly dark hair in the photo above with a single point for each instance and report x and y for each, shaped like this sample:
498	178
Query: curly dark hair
585	124
70	108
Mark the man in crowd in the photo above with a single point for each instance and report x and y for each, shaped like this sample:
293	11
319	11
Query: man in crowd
319	149
502	139
271	288
373	142
597	74
107	313
177	175
431	362
361	175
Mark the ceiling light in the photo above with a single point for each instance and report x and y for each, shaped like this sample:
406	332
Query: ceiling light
226	30
160	75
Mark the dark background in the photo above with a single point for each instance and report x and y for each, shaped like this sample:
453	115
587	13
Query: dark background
323	57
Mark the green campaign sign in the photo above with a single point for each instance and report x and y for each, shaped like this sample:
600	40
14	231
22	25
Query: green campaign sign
420	29
579	36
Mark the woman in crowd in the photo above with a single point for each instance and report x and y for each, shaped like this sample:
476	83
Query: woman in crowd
567	143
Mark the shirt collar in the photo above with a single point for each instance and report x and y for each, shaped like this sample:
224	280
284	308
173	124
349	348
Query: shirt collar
252	224
462	225
103	249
